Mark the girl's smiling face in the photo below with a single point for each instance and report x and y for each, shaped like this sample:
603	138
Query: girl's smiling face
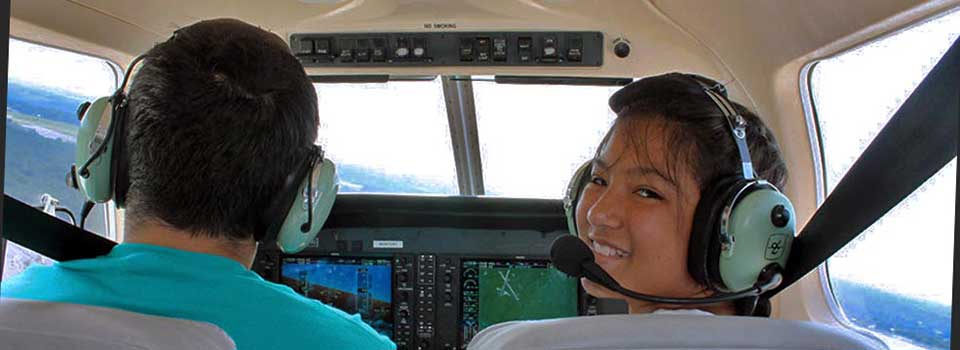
636	214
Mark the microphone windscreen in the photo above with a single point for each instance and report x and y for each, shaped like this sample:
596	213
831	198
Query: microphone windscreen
569	254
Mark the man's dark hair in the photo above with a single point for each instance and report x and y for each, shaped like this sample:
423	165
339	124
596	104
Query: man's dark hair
219	115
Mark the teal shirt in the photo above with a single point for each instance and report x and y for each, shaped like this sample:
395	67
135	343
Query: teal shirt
168	282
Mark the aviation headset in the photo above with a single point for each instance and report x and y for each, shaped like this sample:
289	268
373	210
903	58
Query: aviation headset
303	204
743	227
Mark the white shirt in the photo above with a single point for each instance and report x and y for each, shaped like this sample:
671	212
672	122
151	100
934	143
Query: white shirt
667	329
548	334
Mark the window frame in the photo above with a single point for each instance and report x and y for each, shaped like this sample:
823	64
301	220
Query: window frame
812	119
815	138
460	103
111	215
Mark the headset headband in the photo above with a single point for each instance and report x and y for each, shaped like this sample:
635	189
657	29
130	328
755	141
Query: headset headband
315	156
735	123
279	205
117	102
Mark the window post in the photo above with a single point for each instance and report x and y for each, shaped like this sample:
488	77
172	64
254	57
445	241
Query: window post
4	48
462	118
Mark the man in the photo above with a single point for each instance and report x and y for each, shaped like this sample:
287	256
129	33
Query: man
219	115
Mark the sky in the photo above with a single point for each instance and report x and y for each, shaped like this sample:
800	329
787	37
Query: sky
76	74
532	138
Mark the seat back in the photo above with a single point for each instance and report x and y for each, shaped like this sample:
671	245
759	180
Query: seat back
623	332
35	325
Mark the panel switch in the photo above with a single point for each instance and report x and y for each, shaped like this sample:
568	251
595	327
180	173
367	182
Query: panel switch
575	49
363	50
379	50
323	47
346	50
483	49
525	48
306	47
499	49
549	49
403	48
419	47
466	49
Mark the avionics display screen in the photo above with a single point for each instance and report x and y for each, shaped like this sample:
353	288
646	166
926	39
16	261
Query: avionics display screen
494	291
355	285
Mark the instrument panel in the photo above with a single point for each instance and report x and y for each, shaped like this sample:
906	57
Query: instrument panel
430	273
431	300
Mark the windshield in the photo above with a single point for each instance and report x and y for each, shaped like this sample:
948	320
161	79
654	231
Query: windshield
394	137
533	137
388	137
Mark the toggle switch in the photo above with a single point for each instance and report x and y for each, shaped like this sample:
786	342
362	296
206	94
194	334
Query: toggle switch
525	48
306	47
466	49
323	46
483	49
499	49
575	49
379	50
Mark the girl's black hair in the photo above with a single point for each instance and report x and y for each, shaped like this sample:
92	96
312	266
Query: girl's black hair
696	131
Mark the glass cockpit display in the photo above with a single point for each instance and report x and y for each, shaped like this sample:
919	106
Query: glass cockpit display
495	291
355	285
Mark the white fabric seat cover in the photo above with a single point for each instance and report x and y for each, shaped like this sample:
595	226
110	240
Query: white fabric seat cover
659	331
35	325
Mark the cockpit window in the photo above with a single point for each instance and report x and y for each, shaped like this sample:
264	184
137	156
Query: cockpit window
388	137
395	137
903	262
45	86
533	137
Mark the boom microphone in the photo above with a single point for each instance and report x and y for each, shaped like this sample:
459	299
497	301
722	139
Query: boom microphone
572	257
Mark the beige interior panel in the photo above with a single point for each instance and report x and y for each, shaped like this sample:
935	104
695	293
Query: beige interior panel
658	47
75	26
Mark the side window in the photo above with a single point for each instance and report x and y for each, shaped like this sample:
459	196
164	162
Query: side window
895	279
45	86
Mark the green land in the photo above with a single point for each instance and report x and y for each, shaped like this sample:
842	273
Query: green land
31	121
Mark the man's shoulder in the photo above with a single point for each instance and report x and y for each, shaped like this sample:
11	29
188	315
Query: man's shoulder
305	318
35	279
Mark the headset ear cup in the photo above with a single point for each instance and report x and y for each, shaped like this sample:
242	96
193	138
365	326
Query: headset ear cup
763	223
572	196
291	237
704	247
95	180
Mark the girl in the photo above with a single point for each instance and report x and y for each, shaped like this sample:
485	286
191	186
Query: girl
669	144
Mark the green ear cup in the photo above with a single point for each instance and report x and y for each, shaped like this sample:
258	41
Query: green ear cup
96	184
759	237
572	197
291	238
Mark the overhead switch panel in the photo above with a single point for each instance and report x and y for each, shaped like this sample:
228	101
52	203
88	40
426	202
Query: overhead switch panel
449	49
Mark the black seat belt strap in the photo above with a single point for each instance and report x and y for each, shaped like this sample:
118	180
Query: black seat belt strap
918	141
49	236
